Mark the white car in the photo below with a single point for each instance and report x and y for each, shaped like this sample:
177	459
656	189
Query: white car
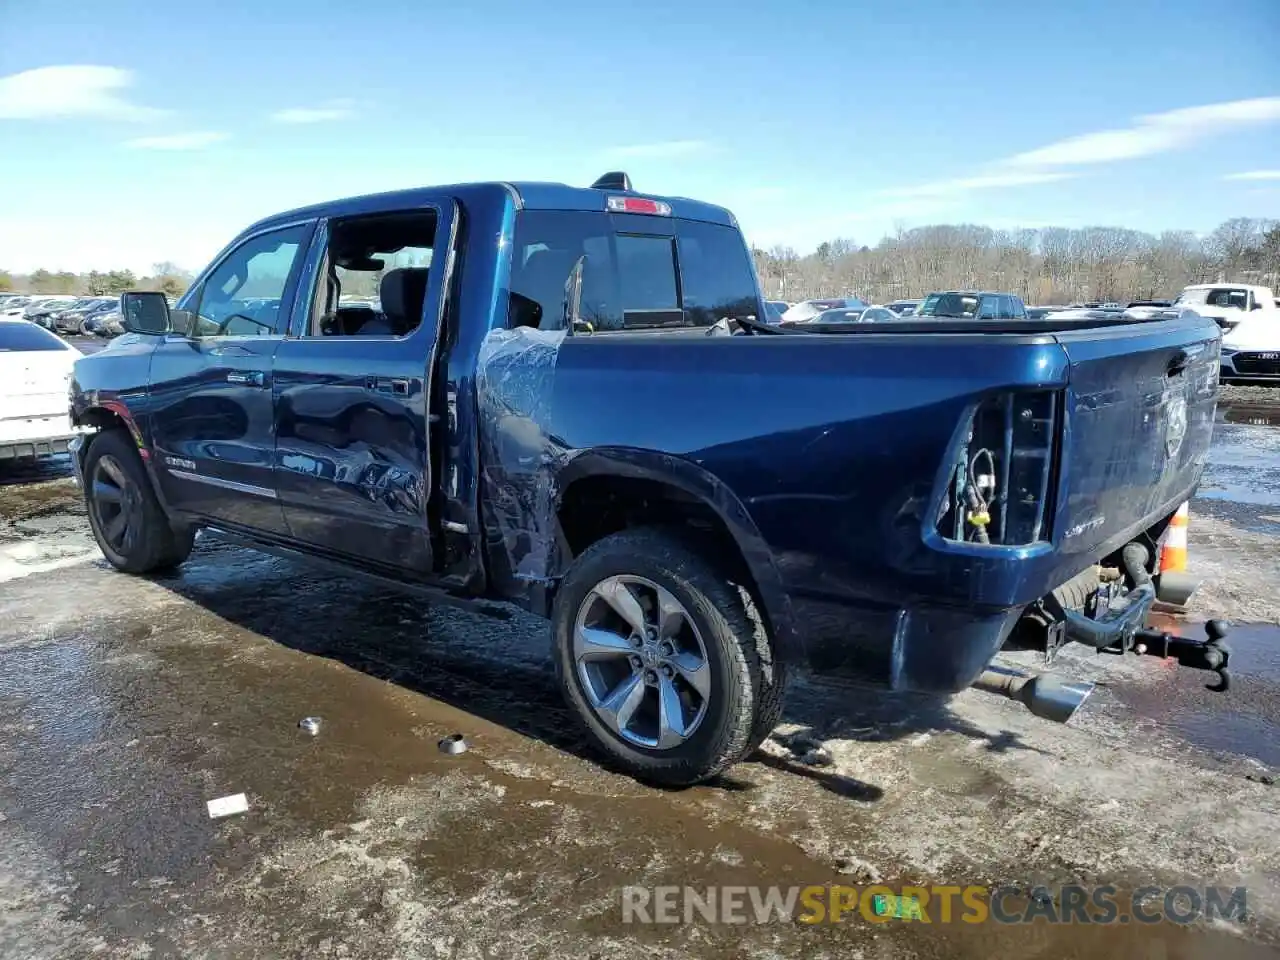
1250	320
35	370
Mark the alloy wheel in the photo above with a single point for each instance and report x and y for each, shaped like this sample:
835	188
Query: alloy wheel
642	662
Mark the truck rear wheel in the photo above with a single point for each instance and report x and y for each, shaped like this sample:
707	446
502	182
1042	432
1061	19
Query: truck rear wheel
661	658
126	518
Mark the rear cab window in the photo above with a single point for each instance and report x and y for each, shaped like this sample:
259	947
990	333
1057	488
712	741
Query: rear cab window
638	273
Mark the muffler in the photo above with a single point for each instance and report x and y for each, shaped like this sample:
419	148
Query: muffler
1045	696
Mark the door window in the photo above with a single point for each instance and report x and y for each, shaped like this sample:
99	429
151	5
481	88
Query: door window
374	275
242	296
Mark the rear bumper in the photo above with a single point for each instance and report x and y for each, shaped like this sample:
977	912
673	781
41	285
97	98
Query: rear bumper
942	649
938	649
30	449
36	437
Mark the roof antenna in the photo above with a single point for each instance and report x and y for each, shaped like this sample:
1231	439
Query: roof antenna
615	180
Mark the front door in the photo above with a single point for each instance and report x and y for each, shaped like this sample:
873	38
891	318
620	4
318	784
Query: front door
210	412
352	385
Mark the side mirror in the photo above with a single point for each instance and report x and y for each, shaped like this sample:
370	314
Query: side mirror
144	311
573	321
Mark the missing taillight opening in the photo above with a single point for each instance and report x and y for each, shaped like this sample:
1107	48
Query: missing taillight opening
1000	483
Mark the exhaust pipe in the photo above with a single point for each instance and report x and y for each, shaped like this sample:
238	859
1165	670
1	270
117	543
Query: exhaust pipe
1045	696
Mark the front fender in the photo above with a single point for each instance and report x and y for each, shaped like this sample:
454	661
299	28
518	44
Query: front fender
705	487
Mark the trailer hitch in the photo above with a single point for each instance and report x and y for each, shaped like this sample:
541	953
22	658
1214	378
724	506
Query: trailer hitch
1208	654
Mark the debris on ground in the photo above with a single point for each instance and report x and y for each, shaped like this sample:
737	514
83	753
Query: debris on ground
228	806
453	744
309	725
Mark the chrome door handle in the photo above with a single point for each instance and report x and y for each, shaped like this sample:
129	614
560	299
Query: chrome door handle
396	385
254	378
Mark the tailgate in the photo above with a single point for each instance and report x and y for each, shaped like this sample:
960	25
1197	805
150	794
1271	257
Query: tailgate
1139	419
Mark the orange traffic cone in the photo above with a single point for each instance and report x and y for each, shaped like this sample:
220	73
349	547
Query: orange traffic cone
1173	545
1173	585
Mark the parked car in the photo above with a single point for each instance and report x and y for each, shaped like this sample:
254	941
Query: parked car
1250	320
12	307
109	323
894	508
808	309
73	319
43	309
35	369
865	315
973	305
904	308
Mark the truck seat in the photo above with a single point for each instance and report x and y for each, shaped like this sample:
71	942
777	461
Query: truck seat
403	292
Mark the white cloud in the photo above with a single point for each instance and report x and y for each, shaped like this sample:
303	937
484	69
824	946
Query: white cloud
178	141
663	150
329	110
1154	133
993	181
71	91
1254	175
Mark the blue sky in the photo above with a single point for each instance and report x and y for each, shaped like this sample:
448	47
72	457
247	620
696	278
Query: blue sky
158	130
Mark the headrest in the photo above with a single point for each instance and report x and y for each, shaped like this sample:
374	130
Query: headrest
402	293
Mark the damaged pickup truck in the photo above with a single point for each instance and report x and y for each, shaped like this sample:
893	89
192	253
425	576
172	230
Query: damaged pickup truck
565	398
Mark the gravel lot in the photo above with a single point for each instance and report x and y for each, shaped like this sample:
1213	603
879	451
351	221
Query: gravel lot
126	704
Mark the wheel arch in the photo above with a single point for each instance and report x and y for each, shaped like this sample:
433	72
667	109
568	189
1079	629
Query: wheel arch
115	415
659	489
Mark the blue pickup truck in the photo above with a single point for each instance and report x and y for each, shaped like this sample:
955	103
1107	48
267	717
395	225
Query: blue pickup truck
566	398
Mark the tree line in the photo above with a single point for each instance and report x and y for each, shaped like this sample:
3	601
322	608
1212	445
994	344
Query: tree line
1051	265
167	277
1054	265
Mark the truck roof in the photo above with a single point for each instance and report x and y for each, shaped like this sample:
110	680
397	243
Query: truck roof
526	196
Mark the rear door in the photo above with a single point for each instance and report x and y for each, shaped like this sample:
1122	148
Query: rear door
353	399
1139	420
210	410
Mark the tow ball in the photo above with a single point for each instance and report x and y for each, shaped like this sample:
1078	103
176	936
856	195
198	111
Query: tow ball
1208	654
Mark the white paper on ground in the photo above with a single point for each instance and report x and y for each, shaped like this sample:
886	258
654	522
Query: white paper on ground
226	806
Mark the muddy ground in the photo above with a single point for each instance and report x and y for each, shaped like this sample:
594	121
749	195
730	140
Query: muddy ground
126	704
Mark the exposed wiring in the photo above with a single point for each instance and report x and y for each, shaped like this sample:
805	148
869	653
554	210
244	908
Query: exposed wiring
979	515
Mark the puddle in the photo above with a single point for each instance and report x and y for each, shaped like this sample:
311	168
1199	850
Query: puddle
1244	721
1244	461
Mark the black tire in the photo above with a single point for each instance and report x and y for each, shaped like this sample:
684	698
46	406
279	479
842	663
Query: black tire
746	682
117	485
1075	593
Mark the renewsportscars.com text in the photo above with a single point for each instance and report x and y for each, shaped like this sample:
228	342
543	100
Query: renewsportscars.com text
1070	903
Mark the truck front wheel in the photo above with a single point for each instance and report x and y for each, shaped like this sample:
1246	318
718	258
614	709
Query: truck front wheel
662	659
124	514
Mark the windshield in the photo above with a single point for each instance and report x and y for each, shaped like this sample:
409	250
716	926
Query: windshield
1192	296
962	305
